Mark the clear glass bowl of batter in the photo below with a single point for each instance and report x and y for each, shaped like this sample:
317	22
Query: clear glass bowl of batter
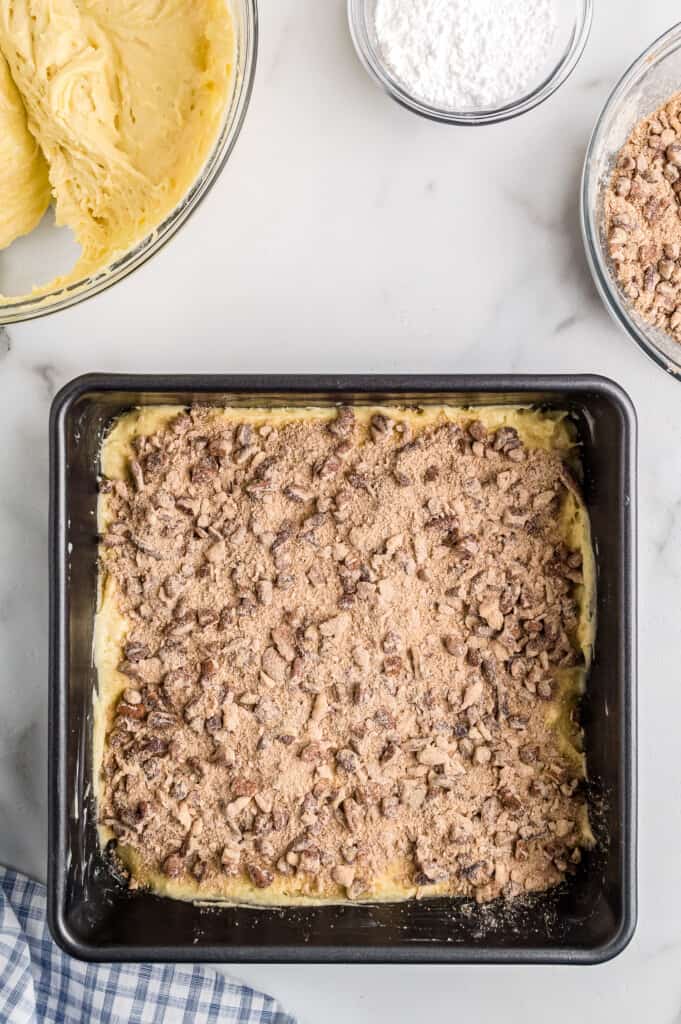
574	19
644	87
48	251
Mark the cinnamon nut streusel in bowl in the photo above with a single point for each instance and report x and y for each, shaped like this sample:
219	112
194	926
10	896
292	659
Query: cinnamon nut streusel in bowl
341	652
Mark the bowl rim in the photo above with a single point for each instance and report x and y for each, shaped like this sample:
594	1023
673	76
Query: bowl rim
30	307
476	118
598	265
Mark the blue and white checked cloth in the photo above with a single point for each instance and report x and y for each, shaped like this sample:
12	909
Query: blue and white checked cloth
41	985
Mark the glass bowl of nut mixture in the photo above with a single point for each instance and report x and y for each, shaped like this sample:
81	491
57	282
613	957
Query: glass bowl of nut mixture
572	30
632	238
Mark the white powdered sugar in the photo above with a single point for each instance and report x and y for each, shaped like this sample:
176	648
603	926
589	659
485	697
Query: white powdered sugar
466	54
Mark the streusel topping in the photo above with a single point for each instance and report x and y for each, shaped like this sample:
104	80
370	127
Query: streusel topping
345	659
642	210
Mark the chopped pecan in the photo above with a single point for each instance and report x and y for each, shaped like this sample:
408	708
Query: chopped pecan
173	866
329	467
283	640
259	876
381	427
280	818
472	694
508	799
344	424
274	665
204	470
243	787
390	806
357	889
161	720
267	712
136	711
384	718
137	652
343	875
352	814
312	753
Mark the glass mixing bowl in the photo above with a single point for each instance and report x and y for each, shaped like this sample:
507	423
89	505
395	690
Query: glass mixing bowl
48	251
648	83
574	24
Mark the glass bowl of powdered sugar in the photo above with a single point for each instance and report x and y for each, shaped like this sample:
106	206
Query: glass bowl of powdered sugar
470	62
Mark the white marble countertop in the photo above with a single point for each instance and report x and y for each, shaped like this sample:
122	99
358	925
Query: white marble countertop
348	235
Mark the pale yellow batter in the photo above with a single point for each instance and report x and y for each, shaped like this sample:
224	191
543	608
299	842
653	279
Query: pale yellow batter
539	430
23	172
125	99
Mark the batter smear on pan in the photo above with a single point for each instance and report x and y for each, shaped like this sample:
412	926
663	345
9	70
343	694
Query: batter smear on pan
340	652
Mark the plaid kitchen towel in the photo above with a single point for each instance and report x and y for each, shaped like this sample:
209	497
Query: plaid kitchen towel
41	985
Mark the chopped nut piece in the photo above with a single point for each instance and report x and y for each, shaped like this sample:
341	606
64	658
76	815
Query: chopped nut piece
432	756
136	711
344	424
335	627
343	875
283	641
393	665
472	694
137	652
312	753
489	611
216	552
173	866
353	814
509	799
137	474
310	861
329	467
267	712
357	889
361	657
274	665
381	427
413	795
261	877
161	720
482	755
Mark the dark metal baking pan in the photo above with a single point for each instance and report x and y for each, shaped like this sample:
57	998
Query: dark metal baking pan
589	919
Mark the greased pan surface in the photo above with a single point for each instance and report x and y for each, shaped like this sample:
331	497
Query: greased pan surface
95	918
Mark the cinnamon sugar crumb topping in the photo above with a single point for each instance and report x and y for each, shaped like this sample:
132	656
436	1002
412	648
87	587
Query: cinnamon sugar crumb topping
343	649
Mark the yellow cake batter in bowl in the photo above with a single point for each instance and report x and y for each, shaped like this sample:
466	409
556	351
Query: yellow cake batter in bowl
23	171
120	113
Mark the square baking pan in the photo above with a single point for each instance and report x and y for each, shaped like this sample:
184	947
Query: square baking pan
589	919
